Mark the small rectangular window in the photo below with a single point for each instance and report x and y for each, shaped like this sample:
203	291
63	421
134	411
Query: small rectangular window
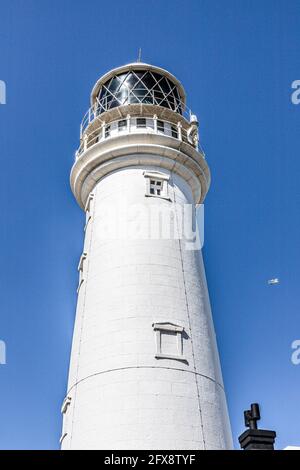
122	125
156	187
169	341
140	122
157	184
174	132
107	131
160	126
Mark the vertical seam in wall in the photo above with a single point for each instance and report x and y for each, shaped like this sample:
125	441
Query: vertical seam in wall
83	308
189	320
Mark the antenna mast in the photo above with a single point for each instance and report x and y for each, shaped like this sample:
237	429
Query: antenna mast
139	55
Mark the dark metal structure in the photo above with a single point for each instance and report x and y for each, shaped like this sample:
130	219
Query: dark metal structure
254	438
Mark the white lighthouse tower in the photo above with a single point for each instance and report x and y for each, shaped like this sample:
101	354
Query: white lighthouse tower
144	371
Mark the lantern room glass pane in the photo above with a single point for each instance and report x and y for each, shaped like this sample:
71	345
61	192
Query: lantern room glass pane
138	87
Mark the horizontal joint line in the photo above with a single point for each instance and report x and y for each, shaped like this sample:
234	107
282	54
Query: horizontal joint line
144	367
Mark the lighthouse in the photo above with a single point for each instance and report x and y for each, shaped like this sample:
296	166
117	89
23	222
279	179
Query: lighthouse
144	369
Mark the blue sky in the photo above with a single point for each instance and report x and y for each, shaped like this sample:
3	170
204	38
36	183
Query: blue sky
237	61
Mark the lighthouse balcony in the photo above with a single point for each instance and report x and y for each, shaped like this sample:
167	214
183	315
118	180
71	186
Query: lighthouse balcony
139	122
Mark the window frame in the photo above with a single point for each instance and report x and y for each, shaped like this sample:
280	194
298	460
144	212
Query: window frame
161	126
140	125
65	404
156	185
123	127
80	268
88	209
107	131
174	131
159	328
157	177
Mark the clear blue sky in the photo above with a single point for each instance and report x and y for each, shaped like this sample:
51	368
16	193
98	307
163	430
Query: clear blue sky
237	60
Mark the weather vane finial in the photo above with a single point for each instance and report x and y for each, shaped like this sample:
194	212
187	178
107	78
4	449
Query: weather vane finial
140	55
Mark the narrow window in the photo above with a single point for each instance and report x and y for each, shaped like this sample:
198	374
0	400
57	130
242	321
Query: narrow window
174	132
107	131
122	125
160	126
140	122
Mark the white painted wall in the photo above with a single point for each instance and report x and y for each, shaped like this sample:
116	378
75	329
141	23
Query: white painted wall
122	397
